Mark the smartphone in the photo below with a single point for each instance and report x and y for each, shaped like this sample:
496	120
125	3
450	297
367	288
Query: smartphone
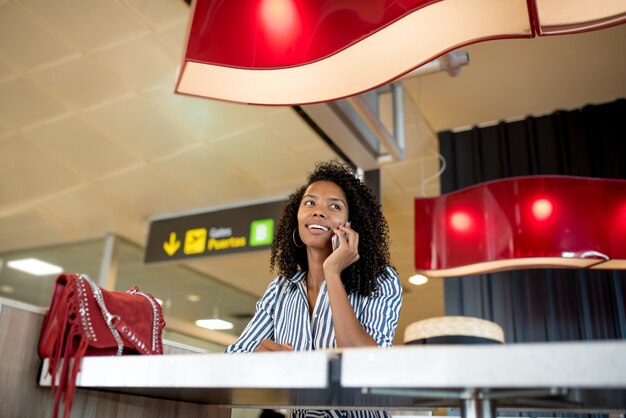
335	238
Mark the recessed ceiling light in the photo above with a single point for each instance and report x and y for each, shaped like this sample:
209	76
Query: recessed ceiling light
6	289
418	279
193	298
214	324
35	267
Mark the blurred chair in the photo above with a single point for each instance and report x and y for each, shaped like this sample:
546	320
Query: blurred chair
454	330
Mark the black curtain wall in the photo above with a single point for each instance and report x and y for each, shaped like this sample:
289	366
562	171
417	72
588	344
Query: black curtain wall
542	304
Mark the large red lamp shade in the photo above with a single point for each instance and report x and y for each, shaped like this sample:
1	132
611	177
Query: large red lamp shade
285	52
522	222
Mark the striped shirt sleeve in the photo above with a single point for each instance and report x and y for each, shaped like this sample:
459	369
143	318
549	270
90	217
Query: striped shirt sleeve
381	313
261	326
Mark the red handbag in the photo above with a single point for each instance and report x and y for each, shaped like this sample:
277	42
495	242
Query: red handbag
85	320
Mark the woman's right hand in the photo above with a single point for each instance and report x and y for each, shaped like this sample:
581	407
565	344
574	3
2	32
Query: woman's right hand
269	345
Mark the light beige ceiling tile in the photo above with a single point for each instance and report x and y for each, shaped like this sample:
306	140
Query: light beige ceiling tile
90	212
22	103
27	173
292	130
158	14
140	127
25	42
212	179
211	119
194	112
80	82
148	192
257	152
30	229
316	153
5	70
88	24
144	62
5	129
81	146
176	36
228	117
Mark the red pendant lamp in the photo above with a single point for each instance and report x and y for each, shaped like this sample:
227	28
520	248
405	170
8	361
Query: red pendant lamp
285	52
520	223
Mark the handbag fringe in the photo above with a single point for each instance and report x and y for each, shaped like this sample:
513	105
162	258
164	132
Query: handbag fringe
69	350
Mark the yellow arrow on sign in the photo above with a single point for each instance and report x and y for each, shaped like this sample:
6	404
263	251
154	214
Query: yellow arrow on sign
172	245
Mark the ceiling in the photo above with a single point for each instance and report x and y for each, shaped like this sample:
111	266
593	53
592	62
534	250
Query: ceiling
93	140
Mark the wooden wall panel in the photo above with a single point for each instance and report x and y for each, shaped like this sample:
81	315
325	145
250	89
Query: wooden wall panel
20	396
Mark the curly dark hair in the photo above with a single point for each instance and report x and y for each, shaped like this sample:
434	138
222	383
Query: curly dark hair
365	217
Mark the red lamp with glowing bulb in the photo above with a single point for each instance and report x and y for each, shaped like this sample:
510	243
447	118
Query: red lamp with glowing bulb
285	52
522	222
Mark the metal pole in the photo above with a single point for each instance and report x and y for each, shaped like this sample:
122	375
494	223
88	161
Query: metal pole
475	406
108	268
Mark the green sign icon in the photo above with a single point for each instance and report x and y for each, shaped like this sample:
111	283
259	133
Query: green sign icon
261	232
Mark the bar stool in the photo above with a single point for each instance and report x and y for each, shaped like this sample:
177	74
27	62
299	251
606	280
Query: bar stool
459	330
454	330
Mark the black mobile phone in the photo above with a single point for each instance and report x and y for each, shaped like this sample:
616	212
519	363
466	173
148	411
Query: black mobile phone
335	238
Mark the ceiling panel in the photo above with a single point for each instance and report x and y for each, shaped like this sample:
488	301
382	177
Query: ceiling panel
159	14
143	62
90	213
22	103
210	176
5	129
142	128
80	82
26	43
258	151
225	119
148	191
292	131
176	36
200	115
5	70
31	228
28	174
88	24
81	147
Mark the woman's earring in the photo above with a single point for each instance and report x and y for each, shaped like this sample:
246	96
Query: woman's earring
296	242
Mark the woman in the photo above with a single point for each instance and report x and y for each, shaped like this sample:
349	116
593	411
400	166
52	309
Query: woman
321	299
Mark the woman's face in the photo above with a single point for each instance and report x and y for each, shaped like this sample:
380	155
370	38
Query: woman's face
323	207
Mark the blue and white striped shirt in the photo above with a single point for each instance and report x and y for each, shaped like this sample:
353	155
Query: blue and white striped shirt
282	315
